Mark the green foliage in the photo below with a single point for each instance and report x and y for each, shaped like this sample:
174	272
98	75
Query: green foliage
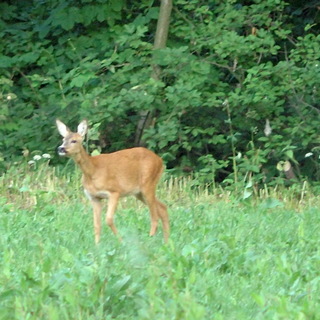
229	66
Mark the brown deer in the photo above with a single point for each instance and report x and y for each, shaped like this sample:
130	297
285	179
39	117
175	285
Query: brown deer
133	171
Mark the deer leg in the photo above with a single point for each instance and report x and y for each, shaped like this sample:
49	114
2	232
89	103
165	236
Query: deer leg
154	223
97	206
154	219
163	214
112	205
150	200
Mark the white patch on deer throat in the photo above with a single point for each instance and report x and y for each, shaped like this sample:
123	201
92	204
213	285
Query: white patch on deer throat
102	194
99	194
88	195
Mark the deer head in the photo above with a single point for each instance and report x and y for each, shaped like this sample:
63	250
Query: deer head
72	141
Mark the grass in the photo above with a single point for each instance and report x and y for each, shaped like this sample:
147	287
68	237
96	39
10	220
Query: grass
226	259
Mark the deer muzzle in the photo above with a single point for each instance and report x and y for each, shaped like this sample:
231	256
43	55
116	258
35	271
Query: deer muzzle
62	151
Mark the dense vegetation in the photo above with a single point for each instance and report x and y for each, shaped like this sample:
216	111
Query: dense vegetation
232	72
225	260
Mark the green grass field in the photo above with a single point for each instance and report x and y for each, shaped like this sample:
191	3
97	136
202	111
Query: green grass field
225	259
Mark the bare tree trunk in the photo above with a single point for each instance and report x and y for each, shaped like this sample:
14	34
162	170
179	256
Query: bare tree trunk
160	42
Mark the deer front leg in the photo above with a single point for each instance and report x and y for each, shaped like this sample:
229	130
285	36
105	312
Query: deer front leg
97	207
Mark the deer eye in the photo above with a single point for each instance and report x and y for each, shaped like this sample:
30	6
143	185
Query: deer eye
73	141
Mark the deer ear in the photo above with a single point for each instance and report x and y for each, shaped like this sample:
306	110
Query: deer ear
83	127
62	128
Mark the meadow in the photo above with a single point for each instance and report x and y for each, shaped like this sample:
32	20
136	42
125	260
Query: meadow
226	258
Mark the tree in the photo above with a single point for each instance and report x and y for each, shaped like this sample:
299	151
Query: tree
160	42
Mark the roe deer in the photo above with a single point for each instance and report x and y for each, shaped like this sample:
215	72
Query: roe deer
133	171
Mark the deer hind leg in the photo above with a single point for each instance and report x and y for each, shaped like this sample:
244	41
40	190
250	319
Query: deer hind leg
149	199
163	214
112	205
97	207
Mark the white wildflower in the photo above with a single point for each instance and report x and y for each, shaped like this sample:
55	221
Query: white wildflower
309	154
31	162
37	157
46	156
267	128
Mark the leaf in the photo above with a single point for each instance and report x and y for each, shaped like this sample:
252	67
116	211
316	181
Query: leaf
24	189
101	16
9	293
153	13
188	250
76	14
280	165
95	152
64	19
200	67
116	5
247	194
5	62
259	299
89	13
289	154
271	203
67	23
29	57
122	283
80	80
43	29
249	184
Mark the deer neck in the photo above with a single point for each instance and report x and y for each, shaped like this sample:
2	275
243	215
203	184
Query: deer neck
83	160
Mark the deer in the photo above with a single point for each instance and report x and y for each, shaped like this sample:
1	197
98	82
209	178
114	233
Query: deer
135	171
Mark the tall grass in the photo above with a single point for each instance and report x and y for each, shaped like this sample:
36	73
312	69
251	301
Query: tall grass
226	259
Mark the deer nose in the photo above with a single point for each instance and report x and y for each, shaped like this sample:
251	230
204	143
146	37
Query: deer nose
61	151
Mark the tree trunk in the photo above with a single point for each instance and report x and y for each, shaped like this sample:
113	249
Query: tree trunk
160	42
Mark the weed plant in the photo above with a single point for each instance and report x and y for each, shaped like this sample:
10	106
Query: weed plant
226	258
